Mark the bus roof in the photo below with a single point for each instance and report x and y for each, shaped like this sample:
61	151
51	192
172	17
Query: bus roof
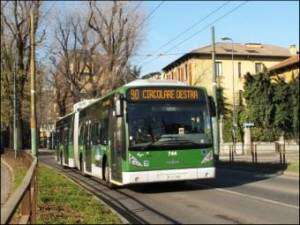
135	83
142	82
139	83
64	117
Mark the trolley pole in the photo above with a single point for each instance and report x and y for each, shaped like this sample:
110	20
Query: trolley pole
215	120
32	86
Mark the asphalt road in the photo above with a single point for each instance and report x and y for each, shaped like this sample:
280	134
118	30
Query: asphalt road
233	197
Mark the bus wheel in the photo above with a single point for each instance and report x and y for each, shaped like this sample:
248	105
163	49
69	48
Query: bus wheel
81	165
107	177
61	159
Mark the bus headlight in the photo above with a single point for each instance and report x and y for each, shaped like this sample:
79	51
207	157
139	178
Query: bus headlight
208	157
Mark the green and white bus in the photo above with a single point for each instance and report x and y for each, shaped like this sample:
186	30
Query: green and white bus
145	131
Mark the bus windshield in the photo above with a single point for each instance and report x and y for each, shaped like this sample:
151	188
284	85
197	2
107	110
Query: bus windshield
159	125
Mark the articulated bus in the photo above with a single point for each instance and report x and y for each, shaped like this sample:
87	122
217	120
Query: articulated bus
145	131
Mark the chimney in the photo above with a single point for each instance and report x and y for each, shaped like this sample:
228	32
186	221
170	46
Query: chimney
293	49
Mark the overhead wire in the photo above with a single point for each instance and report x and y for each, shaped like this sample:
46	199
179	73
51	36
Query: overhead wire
199	31
151	13
191	27
137	6
205	27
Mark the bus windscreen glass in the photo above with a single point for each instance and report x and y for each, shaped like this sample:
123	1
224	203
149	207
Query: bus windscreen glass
160	124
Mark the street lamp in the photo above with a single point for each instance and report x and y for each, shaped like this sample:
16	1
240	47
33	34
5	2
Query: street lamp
233	95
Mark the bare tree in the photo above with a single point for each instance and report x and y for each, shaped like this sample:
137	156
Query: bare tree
15	53
75	60
118	28
91	52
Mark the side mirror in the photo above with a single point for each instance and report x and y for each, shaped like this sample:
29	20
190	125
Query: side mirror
119	106
212	106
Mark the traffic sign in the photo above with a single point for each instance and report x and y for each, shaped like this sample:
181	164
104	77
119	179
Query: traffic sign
249	124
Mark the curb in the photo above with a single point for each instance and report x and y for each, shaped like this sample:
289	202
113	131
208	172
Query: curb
78	183
291	174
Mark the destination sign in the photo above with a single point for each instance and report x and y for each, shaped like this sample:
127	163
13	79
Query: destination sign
168	94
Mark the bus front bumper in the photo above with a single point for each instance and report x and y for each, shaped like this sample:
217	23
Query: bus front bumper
168	175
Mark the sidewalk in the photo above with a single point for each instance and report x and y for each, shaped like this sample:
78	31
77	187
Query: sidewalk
6	182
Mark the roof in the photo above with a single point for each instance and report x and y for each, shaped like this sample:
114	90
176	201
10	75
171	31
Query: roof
247	49
293	60
149	75
149	82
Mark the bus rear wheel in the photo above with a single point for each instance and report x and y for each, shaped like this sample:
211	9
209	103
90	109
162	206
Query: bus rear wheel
107	177
61	159
81	165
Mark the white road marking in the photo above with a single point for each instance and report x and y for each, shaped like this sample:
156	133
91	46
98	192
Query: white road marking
257	198
276	175
252	197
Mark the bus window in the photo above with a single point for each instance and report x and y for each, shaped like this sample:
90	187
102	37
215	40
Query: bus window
104	132
96	133
86	134
81	134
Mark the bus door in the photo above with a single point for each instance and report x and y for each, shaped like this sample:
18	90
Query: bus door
115	131
66	147
88	150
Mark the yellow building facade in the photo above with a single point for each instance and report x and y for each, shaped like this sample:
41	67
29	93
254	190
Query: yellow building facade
195	68
287	69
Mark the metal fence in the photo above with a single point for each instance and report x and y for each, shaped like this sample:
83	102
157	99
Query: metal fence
278	155
24	199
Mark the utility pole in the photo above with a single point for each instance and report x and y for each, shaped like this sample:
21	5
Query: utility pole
32	86
215	120
234	122
16	117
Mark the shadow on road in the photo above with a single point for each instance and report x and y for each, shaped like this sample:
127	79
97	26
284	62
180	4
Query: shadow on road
263	168
227	175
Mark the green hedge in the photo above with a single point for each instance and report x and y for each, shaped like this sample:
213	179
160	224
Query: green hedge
272	106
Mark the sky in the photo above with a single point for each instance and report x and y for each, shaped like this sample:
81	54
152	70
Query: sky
269	22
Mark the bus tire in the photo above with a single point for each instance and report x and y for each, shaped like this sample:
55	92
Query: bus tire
61	159
107	177
81	165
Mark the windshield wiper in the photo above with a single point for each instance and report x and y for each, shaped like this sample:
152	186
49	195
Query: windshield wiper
177	141
174	142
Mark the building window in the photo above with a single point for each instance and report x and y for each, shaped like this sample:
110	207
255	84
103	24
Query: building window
186	71
190	71
240	97
258	68
182	73
239	69
172	76
219	70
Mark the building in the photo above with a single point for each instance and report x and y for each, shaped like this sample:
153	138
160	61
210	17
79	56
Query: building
195	67
287	69
152	76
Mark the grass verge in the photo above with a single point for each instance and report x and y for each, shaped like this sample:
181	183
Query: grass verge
293	167
19	174
60	201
